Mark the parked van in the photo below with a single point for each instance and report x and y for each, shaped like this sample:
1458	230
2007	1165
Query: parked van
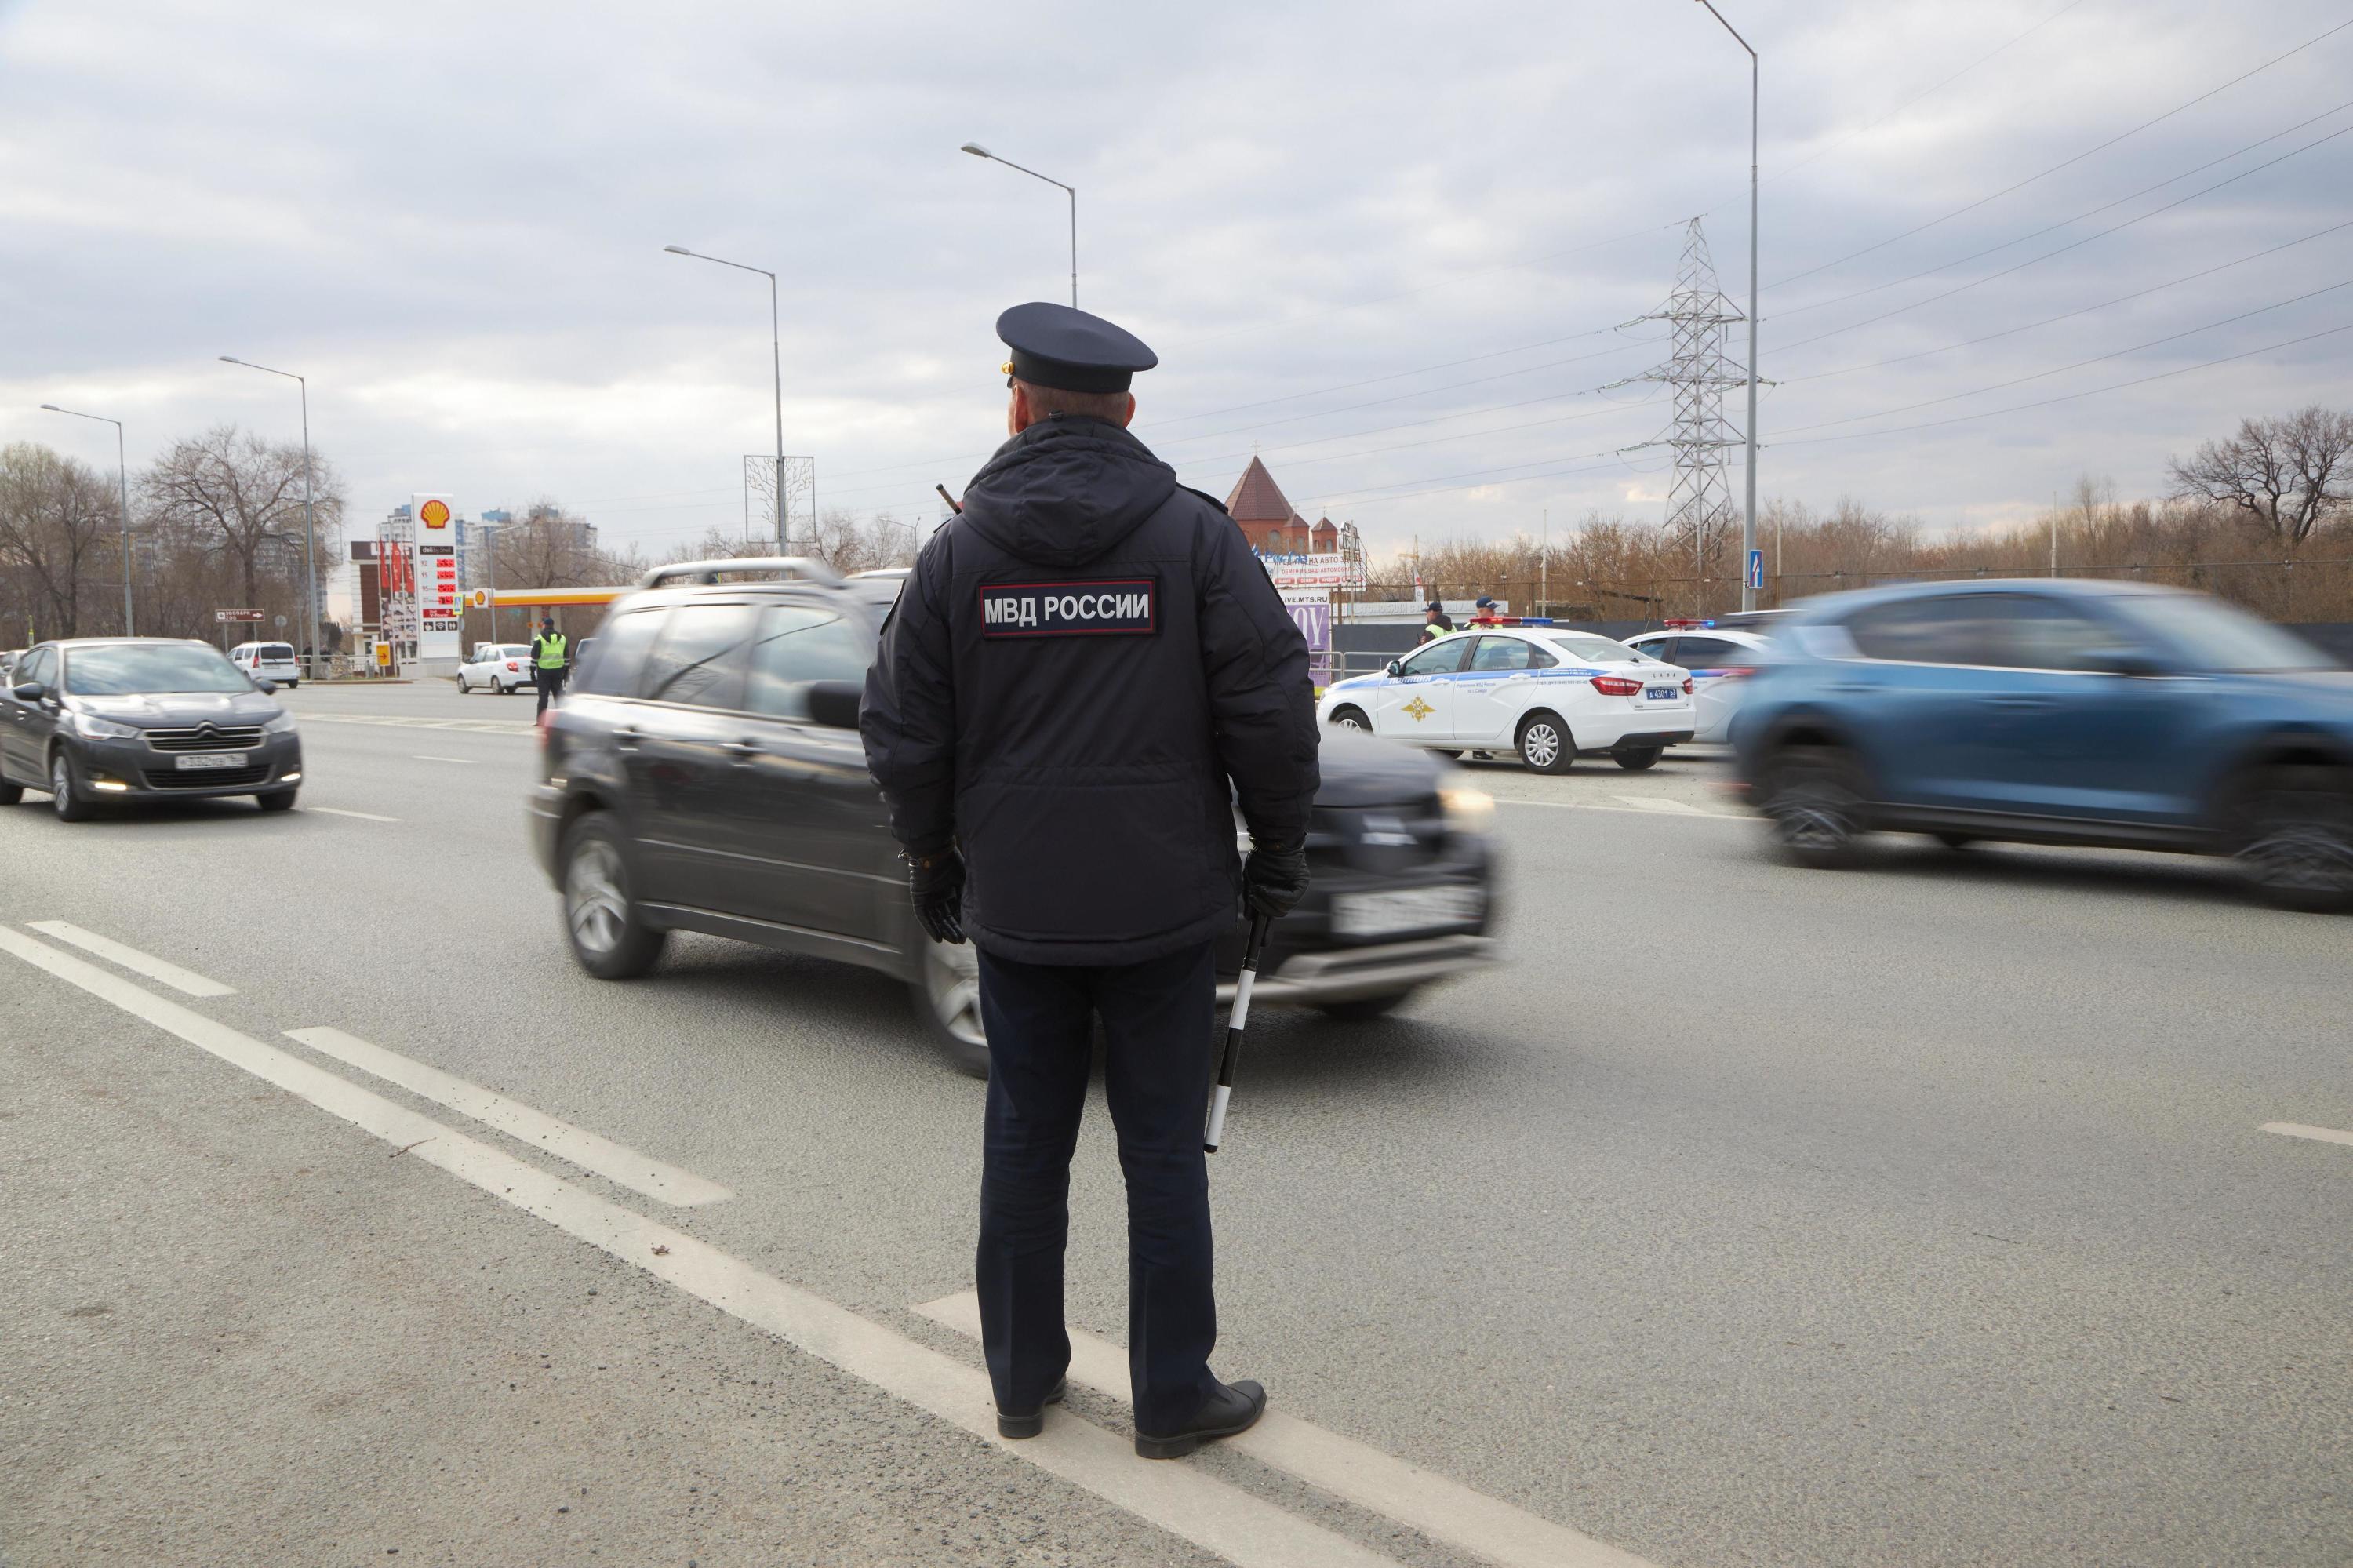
268	662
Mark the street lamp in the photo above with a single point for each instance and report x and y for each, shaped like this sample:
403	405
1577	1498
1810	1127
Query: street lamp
310	523
977	151
1748	527
122	484
777	347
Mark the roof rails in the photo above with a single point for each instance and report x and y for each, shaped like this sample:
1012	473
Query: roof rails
807	567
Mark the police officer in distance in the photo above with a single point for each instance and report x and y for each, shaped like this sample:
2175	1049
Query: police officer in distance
1085	672
551	661
1435	622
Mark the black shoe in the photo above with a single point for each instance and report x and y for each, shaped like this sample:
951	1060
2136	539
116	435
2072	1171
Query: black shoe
1235	1407
1011	1426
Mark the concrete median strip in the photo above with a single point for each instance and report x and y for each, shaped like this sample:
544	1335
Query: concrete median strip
639	1173
1445	1511
1183	1500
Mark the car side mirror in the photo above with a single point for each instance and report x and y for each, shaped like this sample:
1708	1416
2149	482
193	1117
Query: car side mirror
27	691
834	703
2122	661
263	684
1395	667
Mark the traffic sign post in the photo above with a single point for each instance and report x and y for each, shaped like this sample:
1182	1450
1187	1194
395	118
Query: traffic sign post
226	618
1756	568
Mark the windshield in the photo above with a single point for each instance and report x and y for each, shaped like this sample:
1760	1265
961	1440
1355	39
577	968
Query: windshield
1587	648
129	669
278	650
2214	636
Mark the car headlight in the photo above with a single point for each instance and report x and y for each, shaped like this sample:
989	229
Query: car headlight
99	728
282	725
1467	811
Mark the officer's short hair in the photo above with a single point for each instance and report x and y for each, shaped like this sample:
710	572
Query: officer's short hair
1047	401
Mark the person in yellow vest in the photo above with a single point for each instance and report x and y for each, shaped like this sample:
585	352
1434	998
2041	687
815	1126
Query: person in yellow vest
551	661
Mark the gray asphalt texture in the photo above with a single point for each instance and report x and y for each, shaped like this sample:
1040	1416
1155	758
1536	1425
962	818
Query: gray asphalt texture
1917	1213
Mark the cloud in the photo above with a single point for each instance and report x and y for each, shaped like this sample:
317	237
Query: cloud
451	218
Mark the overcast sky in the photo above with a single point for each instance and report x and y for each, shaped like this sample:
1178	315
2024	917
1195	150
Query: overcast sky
450	216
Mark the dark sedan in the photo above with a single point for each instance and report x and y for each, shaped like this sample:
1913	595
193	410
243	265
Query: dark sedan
93	720
705	774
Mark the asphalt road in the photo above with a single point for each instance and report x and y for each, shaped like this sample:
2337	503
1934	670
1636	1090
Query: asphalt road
1917	1215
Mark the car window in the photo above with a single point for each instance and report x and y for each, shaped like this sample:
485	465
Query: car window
798	645
1706	653
694	661
621	653
40	668
1439	658
1951	629
2039	633
1591	650
2212	635
127	669
279	651
1501	654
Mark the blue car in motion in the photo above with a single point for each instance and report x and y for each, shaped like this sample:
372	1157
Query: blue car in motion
2061	713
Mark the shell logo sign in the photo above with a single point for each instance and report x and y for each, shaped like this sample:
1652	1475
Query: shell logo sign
435	514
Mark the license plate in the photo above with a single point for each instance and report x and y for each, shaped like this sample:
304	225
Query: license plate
1404	909
195	761
1663	693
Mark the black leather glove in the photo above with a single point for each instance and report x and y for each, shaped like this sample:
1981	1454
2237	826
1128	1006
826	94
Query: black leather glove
1274	878
938	883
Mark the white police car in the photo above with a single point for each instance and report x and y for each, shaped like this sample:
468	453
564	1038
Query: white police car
1720	658
1548	692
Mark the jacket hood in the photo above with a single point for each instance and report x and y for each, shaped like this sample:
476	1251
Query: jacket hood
1065	491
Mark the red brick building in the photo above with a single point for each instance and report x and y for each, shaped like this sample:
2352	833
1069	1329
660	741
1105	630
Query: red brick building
1269	522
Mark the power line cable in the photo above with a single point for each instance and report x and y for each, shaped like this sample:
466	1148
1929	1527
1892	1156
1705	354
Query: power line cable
2068	163
2073	397
2067	315
2061	250
2095	359
2078	217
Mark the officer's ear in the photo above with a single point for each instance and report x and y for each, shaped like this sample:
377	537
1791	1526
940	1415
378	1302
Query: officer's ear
1128	418
1018	416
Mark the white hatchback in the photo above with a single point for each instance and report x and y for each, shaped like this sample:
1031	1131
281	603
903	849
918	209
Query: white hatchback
1549	694
268	662
1720	658
503	667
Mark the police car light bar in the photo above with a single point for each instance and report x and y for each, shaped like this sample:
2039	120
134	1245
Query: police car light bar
1510	620
1684	624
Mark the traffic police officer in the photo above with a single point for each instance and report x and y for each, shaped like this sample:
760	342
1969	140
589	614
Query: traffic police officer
550	661
1085	674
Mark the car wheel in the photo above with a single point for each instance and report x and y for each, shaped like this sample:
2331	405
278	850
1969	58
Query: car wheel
295	685
464	690
1350	718
1637	758
277	799
10	793
1359	1009
65	799
2294	837
1545	743
947	999
608	937
1814	805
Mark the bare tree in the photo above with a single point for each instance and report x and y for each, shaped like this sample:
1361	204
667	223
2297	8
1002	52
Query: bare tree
242	496
2290	471
58	523
847	544
546	547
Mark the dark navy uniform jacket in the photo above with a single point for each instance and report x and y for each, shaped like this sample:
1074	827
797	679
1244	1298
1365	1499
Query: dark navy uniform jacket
1076	668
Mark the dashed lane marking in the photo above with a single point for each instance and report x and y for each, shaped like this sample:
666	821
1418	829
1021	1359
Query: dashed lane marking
407	720
639	1173
186	982
2317	1134
1445	1511
1621	810
1185	1501
1669	806
428	756
337	811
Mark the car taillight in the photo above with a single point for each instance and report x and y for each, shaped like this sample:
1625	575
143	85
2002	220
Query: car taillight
1687	685
1616	686
512	665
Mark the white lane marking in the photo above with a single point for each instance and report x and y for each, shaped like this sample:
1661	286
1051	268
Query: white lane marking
403	721
639	1173
428	756
186	982
1621	810
2317	1134
334	811
1447	1512
1182	1500
1662	803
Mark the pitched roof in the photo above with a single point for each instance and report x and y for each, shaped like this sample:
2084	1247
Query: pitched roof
1256	498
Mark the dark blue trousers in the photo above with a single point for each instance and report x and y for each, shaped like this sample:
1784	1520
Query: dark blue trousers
1158	1017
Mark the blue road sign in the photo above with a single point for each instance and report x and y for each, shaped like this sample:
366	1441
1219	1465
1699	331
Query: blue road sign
1756	569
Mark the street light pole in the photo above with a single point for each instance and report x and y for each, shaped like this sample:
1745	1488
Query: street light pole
776	349
310	522
122	488
977	151
1749	526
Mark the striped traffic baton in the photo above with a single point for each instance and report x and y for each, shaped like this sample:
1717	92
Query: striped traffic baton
1235	1023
